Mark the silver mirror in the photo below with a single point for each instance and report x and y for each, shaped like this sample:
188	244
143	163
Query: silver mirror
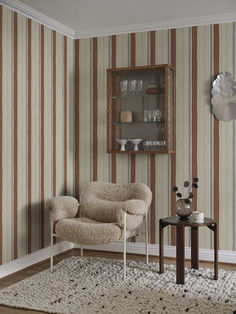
224	97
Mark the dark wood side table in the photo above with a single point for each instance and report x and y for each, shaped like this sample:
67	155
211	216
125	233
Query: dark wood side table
180	235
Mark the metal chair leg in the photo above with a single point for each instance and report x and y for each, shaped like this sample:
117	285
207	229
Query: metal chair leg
146	237
124	248
51	247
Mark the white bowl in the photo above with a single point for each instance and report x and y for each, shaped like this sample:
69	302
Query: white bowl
136	141
122	142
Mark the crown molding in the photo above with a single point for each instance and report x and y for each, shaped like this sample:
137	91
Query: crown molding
49	22
158	25
39	17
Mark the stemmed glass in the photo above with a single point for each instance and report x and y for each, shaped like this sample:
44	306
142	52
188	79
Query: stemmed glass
132	87
123	87
139	86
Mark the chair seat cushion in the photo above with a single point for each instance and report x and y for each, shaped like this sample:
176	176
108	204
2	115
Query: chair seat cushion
87	231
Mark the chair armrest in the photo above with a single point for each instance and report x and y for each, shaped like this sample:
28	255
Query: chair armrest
62	207
137	207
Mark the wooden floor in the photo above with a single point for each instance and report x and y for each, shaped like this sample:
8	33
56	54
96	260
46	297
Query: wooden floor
32	270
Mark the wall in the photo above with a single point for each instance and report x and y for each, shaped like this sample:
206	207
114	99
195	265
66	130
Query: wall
204	146
36	123
53	125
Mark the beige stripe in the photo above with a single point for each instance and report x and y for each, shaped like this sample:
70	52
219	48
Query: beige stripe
22	137
7	137
162	188
70	116
103	65
84	114
59	116
122	60
226	153
35	137
47	127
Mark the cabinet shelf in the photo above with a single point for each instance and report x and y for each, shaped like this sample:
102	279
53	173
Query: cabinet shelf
138	122
138	96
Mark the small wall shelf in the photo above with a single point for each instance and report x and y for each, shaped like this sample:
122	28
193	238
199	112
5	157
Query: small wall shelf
141	105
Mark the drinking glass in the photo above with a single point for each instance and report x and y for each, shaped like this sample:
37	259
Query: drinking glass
132	87
123	87
147	115
139	86
156	115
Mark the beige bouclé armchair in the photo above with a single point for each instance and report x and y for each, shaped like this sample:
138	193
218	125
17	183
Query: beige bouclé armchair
108	212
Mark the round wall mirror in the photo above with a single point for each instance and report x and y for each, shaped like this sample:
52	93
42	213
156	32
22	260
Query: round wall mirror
224	97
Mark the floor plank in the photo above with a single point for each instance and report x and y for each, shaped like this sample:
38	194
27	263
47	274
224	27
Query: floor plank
34	269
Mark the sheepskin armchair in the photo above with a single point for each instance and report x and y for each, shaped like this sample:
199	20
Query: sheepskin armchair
107	202
107	213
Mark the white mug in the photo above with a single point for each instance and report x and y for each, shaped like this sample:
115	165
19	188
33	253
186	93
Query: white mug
198	216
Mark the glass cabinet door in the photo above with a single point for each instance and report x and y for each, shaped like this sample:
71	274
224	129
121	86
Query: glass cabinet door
141	110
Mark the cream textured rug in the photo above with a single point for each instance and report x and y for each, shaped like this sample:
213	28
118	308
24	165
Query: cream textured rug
95	285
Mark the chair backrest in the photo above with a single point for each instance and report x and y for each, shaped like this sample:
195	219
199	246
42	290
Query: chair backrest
100	200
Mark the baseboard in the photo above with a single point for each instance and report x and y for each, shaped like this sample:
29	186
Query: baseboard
169	251
135	248
33	258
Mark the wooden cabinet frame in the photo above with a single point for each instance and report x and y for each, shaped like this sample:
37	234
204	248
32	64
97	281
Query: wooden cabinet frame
113	90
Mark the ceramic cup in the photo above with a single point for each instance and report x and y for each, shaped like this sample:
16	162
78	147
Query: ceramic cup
198	216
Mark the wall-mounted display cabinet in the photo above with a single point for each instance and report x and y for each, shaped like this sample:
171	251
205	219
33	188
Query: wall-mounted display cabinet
141	109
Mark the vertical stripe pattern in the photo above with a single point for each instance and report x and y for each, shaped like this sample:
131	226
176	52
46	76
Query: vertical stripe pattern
194	110
42	136
0	134
76	122
113	64
29	136
133	62
152	158
173	156
95	113
15	136
53	126
216	129
54	112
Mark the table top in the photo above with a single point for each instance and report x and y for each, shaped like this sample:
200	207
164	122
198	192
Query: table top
174	220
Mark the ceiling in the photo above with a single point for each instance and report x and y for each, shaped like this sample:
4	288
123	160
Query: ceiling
88	18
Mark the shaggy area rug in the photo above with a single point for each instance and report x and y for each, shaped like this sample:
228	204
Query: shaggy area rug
95	285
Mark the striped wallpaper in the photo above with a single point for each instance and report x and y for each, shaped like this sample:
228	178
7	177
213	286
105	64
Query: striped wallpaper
53	126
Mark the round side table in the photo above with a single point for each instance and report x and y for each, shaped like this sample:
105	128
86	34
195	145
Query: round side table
180	237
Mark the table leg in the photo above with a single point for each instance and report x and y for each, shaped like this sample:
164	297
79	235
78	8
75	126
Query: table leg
161	264
194	247
216	245
180	255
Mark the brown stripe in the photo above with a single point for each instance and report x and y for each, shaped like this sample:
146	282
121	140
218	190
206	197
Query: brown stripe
152	43
76	122
15	136
0	135
113	64
29	136
54	113
216	129
133	50
133	61
65	115
173	156
194	110
95	108
42	136
152	158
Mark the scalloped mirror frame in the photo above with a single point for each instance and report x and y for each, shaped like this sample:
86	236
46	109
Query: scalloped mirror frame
224	97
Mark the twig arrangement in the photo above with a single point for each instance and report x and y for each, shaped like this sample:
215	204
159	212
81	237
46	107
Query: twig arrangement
189	194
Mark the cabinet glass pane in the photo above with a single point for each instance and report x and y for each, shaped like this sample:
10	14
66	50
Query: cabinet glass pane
137	109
